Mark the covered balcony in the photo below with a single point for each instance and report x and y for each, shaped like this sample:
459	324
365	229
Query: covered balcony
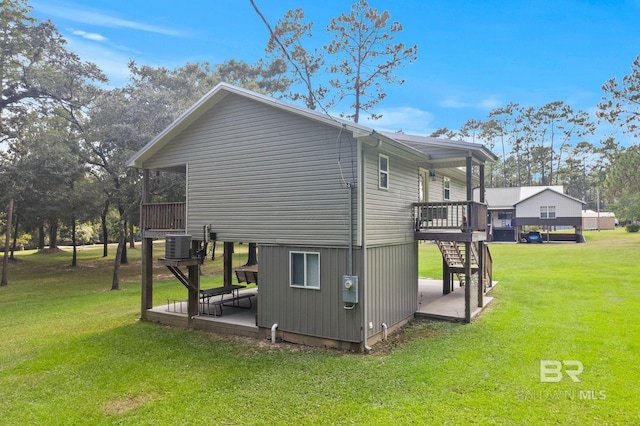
159	219
462	221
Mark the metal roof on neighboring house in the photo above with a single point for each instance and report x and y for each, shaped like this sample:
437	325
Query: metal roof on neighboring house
507	198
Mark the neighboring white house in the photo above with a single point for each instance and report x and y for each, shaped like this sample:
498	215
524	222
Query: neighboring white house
547	207
598	220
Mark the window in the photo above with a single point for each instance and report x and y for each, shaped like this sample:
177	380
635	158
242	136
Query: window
547	212
505	215
434	213
304	268
446	182
383	162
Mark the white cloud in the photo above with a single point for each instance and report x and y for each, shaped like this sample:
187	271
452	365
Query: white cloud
408	119
102	18
111	62
90	36
488	103
453	102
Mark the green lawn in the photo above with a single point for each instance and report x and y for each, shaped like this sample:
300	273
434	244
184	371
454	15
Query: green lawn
73	352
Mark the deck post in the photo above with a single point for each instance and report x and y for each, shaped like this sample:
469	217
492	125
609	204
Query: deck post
147	277
146	295
446	277
467	244
194	289
481	268
467	282
228	263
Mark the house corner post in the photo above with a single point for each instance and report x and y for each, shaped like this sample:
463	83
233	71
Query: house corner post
470	225
146	295
481	183
147	276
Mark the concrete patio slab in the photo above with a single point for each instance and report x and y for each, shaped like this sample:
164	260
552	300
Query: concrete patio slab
433	304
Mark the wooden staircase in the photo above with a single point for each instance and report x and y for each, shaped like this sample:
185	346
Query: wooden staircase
453	254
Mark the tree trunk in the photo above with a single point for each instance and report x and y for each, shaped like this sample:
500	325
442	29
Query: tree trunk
105	231
124	259
132	237
5	257
115	285
74	259
41	236
15	239
253	255
53	235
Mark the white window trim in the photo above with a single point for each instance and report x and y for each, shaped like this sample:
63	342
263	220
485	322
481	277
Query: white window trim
446	180
380	171
305	285
546	211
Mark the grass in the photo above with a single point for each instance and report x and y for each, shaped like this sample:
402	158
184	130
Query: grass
73	352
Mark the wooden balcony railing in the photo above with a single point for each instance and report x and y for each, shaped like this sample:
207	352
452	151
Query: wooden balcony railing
164	216
468	216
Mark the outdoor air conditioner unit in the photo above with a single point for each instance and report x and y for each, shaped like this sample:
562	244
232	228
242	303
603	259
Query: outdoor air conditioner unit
177	246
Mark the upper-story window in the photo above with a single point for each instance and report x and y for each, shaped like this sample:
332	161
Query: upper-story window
547	212
446	184
383	166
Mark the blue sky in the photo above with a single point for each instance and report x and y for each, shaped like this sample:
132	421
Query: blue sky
473	55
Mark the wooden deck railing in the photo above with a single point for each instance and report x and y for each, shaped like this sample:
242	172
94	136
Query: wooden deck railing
467	216
169	216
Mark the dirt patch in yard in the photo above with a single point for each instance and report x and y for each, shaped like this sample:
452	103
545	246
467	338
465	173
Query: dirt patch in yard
122	405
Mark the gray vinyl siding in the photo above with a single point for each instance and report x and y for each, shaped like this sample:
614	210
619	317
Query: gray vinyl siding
318	313
392	287
258	173
436	189
389	210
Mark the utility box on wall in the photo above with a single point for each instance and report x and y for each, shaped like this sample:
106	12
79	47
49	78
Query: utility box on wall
350	289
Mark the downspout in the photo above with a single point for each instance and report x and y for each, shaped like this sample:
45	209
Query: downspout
384	329
350	258
363	294
273	332
350	186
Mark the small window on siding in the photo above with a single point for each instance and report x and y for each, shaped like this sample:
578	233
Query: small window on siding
383	162
446	184
304	269
547	212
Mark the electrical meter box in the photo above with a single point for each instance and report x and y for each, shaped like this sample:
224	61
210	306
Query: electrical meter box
350	289
178	246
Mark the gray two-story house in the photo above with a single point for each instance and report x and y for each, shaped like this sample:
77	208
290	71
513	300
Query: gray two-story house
336	209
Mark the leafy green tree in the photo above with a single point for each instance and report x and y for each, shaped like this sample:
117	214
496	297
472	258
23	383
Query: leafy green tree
443	132
620	104
364	57
262	77
623	184
37	72
287	44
